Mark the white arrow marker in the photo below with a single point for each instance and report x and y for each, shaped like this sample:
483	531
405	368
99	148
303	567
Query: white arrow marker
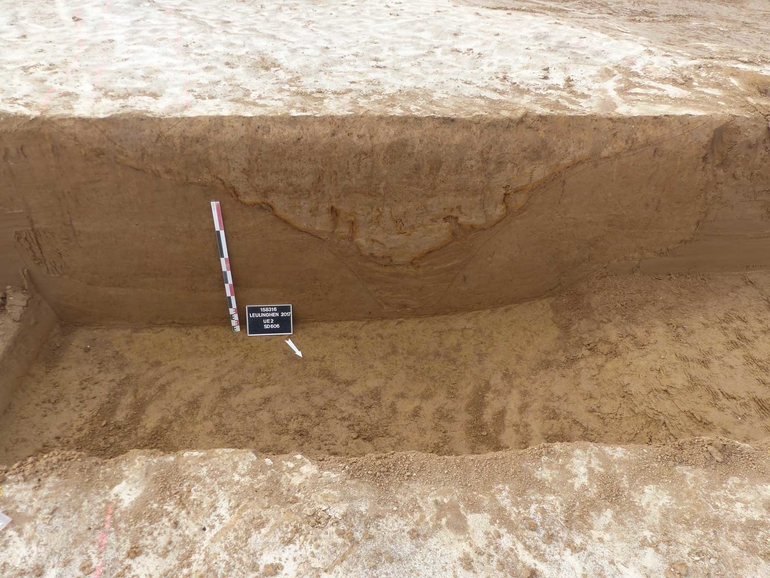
294	347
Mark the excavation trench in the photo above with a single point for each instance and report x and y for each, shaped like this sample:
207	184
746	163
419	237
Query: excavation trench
502	225
621	360
408	248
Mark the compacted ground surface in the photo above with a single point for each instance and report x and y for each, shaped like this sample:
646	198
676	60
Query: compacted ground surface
696	509
618	360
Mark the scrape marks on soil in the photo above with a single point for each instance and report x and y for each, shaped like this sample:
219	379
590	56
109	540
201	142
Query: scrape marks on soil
615	359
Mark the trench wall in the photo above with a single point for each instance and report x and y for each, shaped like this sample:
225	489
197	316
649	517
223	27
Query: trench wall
361	217
21	339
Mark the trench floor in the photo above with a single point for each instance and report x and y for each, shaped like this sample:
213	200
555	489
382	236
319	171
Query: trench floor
618	360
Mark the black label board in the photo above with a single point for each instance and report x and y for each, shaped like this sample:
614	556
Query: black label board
269	320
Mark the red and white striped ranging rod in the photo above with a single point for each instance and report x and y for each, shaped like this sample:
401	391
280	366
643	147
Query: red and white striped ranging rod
224	259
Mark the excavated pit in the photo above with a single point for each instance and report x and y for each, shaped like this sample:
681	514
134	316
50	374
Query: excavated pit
615	360
502	226
432	267
408	248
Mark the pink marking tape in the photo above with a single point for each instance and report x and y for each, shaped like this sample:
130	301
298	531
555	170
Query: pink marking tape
103	541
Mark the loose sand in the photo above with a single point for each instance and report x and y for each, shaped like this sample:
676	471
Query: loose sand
616	360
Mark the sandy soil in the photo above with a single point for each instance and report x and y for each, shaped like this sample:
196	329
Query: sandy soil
352	218
424	57
25	324
696	509
617	360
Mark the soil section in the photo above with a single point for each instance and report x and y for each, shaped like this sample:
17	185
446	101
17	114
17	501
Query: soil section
616	360
369	217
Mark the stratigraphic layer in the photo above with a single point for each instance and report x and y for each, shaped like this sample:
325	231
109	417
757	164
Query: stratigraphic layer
356	217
